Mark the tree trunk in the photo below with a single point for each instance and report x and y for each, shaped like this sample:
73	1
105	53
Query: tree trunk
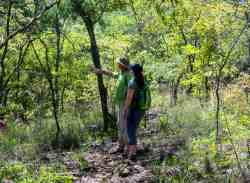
248	58
47	70
174	90
190	69
96	60
217	115
207	89
175	93
56	97
62	98
3	89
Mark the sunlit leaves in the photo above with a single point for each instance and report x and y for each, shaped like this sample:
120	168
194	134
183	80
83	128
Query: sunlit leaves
190	49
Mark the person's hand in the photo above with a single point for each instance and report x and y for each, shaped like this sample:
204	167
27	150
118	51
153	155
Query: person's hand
125	113
97	71
125	118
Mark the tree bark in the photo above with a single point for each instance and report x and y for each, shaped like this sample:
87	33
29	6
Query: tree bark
217	114
174	90
190	69
5	46
248	59
47	71
207	89
96	60
57	67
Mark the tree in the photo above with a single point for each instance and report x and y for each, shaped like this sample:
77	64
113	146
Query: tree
91	13
55	20
11	31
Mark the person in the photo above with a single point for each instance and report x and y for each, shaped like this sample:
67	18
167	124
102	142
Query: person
123	78
132	112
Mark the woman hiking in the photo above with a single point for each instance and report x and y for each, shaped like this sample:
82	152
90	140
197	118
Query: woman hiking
123	78
132	111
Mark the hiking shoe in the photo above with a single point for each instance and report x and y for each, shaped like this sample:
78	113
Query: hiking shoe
132	157
115	150
125	155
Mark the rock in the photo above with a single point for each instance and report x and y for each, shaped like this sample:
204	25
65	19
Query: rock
108	143
51	156
152	115
142	150
111	163
124	173
145	176
119	169
113	168
113	150
170	171
116	179
7	181
101	176
88	180
139	168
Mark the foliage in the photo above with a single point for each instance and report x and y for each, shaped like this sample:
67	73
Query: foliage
195	54
20	172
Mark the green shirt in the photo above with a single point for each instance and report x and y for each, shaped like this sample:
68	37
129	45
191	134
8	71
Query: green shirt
122	87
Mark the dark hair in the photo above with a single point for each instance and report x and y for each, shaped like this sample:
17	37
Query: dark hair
138	73
125	62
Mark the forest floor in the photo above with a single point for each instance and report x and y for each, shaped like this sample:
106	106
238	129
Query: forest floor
101	165
113	168
93	162
105	166
163	153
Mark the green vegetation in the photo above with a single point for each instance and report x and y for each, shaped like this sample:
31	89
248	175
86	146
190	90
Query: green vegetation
196	56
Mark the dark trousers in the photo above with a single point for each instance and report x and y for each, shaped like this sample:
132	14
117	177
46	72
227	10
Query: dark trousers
134	117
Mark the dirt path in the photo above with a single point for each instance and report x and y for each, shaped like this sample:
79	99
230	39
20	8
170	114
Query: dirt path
113	168
105	167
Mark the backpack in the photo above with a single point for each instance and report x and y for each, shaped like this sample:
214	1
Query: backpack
143	97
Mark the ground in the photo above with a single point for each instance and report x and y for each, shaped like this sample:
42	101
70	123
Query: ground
163	156
109	167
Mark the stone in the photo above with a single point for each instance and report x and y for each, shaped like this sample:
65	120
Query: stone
139	168
124	173
7	181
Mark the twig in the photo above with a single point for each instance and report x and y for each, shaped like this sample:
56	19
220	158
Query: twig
22	29
235	152
234	43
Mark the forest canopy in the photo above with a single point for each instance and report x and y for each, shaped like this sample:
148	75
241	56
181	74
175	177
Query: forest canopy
195	55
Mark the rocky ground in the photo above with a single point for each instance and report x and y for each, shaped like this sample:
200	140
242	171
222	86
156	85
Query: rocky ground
108	167
101	165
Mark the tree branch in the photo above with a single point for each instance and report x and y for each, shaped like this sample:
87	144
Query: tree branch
20	60
46	54
38	58
22	29
7	32
234	43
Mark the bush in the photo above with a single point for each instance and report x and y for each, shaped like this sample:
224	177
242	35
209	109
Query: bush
69	138
188	117
19	172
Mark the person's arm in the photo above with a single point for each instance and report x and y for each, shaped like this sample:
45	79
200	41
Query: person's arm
128	101
104	71
108	73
